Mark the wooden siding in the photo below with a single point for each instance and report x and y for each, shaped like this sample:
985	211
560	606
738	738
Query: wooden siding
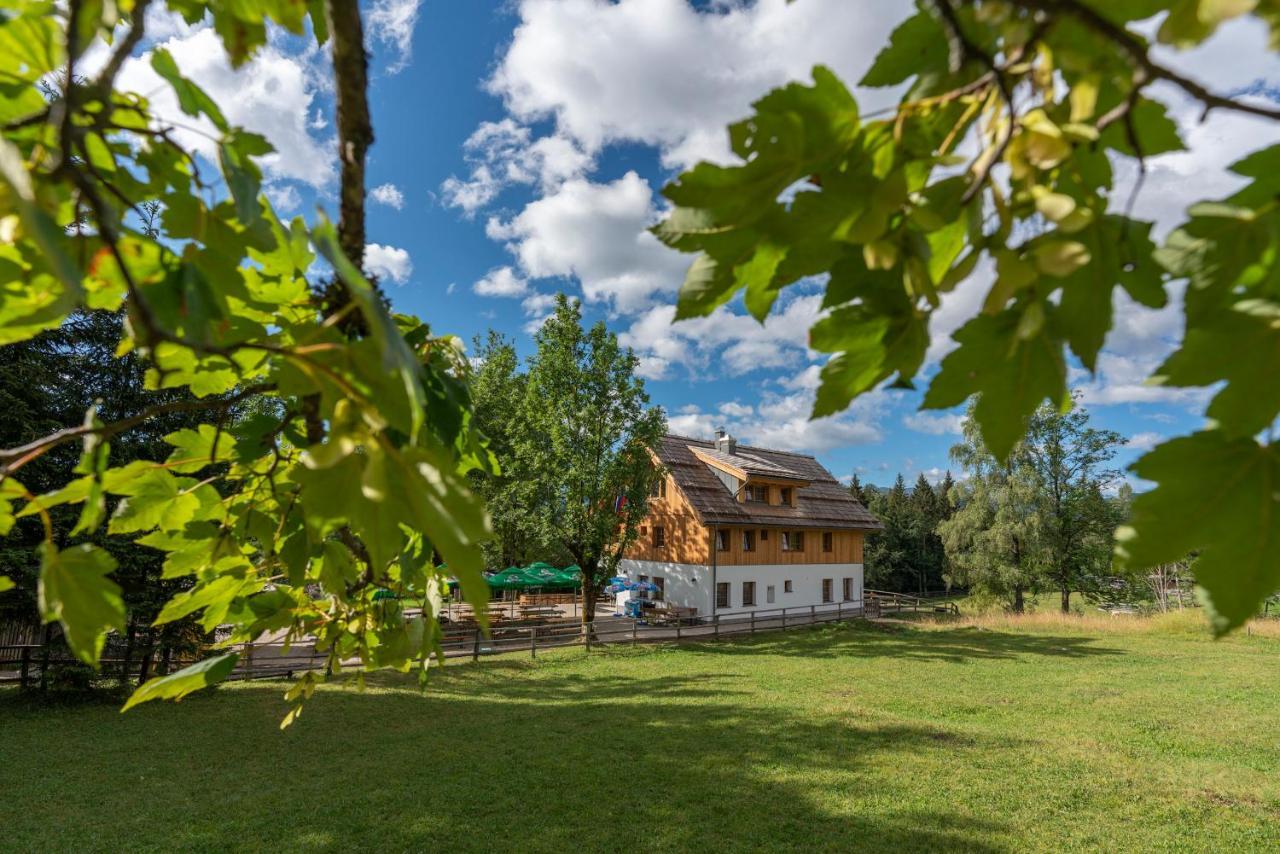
846	547
687	539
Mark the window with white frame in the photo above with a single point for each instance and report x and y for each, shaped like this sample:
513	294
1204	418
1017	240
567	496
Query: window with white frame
722	594
848	590
722	540
828	590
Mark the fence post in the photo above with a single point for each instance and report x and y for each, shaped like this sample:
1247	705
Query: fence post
475	646
753	622
44	657
533	642
634	631
813	614
678	621
839	611
26	667
716	621
784	619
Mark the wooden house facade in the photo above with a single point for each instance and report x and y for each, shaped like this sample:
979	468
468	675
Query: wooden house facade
733	528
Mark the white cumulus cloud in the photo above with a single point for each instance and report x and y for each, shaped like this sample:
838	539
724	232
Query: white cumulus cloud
273	94
388	262
501	282
389	195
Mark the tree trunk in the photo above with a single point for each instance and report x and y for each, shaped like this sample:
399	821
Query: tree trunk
1066	600
589	592
1019	605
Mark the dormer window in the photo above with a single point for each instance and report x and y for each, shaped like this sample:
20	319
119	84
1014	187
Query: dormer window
757	493
787	496
659	488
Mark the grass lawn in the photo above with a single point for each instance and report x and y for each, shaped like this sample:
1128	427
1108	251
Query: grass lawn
1038	735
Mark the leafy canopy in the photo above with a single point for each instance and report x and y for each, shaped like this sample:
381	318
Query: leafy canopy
1048	93
330	455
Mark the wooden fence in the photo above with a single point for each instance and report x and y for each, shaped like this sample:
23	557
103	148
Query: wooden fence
31	664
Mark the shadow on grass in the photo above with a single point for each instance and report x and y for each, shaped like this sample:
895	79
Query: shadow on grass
887	640
483	761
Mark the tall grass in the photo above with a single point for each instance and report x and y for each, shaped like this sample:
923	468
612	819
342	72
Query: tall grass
1191	621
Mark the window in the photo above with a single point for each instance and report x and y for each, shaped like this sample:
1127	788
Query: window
722	594
768	595
764	535
826	541
827	587
659	536
786	541
661	593
786	495
793	541
659	488
786	587
748	541
748	594
848	590
758	493
722	540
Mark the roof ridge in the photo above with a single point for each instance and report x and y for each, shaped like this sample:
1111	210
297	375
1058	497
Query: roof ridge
740	445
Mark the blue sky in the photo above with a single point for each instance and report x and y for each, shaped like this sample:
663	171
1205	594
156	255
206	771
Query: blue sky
520	149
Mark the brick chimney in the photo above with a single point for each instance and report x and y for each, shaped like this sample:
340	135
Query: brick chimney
725	443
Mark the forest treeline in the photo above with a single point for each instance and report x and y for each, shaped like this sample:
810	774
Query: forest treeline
1041	522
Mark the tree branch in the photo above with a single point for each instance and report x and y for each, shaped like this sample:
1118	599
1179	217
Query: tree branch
963	50
12	459
1138	52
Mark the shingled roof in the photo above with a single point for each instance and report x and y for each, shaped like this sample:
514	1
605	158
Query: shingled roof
824	503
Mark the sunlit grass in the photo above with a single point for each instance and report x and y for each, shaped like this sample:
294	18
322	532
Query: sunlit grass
1038	733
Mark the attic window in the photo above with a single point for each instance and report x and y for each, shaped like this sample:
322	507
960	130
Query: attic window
786	496
757	493
659	488
659	537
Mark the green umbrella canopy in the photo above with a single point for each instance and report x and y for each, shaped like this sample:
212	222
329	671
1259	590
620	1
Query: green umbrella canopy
511	578
535	576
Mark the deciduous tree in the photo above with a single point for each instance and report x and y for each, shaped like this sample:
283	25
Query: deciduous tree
586	455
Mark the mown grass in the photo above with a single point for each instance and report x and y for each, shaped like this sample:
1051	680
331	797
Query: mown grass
907	737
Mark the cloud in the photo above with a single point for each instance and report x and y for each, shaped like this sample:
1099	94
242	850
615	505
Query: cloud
501	282
1144	441
723	342
596	233
388	262
781	420
539	304
502	154
663	73
391	22
272	94
284	197
934	424
389	195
